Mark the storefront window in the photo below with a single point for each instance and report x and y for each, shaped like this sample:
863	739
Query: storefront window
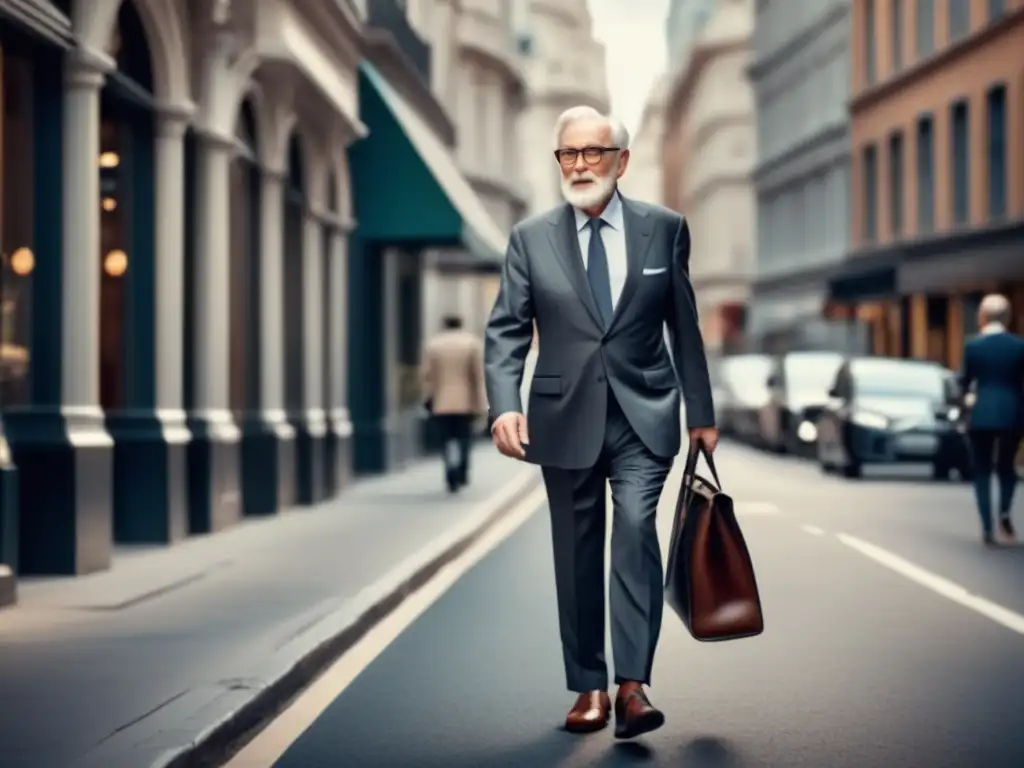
114	202
17	215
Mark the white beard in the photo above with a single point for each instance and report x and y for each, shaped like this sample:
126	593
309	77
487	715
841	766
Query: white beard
591	195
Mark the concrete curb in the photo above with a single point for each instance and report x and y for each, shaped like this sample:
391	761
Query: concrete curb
306	656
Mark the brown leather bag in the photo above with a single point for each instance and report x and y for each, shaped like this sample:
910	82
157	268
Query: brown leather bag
709	578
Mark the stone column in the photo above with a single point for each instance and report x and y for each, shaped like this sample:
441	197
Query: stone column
150	436
60	445
311	424
170	272
340	433
213	456
268	442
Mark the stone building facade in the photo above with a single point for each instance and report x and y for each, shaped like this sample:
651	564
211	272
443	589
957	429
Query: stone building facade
565	66
800	73
709	154
937	203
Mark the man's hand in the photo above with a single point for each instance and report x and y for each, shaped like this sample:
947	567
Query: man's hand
510	435
707	435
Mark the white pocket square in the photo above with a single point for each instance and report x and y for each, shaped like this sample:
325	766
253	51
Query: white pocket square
654	270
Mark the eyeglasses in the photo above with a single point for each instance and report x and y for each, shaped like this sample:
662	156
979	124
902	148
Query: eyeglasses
591	155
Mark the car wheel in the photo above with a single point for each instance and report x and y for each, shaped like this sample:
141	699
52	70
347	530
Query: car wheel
852	470
941	471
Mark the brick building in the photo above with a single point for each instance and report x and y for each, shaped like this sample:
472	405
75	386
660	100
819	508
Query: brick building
937	160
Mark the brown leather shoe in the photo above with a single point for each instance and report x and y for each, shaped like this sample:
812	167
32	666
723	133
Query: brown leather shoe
634	713
1006	528
590	712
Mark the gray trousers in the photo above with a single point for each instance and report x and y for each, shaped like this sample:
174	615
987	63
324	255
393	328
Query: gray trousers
576	499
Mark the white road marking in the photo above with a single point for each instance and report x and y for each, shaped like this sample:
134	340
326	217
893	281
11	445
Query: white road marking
270	744
813	530
755	508
937	584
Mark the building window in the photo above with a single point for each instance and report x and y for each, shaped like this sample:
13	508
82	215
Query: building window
959	19
17	217
925	175
960	151
996	8
869	42
997	152
924	28
896	183
869	164
897	35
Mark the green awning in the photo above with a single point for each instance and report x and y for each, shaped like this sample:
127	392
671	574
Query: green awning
405	183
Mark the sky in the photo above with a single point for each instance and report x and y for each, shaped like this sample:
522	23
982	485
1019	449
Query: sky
633	32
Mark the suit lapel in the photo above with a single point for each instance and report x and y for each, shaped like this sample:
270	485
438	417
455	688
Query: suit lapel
638	227
565	241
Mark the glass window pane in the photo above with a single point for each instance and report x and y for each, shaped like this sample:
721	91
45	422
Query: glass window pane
17	218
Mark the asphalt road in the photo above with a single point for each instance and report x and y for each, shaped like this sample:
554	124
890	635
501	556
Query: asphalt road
860	665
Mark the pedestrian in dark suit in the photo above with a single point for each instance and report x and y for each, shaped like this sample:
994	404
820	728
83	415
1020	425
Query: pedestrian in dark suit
601	276
994	364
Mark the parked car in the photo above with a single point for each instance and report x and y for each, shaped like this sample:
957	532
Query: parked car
891	411
744	378
722	396
798	389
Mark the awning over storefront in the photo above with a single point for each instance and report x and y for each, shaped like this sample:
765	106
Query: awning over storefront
863	277
772	312
406	185
40	17
964	259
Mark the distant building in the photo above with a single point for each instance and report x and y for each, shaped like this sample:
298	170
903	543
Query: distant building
938	171
643	179
477	74
709	154
800	75
565	66
686	19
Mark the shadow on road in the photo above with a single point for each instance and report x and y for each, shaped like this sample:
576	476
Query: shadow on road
562	748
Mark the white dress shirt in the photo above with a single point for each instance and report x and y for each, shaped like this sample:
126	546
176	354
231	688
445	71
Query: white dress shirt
989	328
613	235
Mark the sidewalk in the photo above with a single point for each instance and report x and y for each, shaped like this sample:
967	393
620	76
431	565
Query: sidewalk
125	668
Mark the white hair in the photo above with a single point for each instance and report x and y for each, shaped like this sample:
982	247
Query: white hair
996	308
620	136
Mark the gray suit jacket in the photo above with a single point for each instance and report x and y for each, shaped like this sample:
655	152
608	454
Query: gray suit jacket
544	280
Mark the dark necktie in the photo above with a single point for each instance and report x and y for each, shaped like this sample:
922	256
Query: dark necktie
597	271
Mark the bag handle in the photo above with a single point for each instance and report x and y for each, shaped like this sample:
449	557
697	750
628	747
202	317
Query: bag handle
693	453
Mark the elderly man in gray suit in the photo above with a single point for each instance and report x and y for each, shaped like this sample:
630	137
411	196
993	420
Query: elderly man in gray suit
601	276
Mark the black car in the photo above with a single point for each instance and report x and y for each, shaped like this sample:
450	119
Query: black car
798	390
890	411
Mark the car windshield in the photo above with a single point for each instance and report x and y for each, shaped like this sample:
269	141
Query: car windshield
808	373
900	378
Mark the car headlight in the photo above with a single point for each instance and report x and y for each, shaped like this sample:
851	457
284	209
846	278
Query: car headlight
807	431
869	420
